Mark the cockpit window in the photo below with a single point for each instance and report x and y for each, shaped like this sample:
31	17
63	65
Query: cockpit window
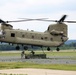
1	32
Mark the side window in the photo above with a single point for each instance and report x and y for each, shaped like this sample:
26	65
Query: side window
23	35
46	38
1	32
41	38
12	34
51	39
32	37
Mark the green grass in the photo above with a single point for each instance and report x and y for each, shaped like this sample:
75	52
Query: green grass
16	65
9	54
62	54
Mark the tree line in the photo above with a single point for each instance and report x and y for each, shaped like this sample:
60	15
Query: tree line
7	47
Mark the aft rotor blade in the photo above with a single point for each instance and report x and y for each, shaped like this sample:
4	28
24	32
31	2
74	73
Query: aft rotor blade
59	21
70	21
47	20
62	19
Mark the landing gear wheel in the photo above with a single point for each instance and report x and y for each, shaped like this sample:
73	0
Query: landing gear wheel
58	49
48	49
17	47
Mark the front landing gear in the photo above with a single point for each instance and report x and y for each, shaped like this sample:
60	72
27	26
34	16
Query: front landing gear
17	47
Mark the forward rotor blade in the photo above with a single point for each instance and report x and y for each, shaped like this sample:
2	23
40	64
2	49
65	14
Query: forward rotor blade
1	21
34	19
18	21
25	19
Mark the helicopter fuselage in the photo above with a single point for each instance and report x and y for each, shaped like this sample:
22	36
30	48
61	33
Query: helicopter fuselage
54	36
25	37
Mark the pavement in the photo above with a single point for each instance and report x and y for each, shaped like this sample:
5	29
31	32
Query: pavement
51	60
31	71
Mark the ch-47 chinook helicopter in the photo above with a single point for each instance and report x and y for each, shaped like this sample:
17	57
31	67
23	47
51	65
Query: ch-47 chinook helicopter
54	36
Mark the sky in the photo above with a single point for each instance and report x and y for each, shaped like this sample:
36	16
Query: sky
51	9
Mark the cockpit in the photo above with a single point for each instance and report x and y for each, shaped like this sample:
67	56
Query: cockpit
6	26
3	27
2	34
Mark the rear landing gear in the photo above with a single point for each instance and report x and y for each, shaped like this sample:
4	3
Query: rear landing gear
48	49
58	49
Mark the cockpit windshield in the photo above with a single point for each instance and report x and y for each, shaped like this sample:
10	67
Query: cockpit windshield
1	32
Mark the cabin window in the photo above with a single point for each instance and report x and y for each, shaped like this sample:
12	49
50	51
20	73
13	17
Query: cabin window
1	33
41	38
51	39
12	34
23	35
46	38
32	37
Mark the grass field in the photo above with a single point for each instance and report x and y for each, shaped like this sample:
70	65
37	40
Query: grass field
12	65
15	65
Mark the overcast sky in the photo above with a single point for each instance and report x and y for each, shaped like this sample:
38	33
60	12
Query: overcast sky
52	9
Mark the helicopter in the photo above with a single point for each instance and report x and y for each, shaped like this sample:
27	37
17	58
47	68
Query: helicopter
55	35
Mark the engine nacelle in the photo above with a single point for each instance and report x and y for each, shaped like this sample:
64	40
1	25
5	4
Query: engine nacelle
54	32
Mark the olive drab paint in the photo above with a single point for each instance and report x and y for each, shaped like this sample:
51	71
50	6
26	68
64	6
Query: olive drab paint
55	35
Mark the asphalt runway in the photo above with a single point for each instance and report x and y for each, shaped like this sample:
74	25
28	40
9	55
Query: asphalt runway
49	60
